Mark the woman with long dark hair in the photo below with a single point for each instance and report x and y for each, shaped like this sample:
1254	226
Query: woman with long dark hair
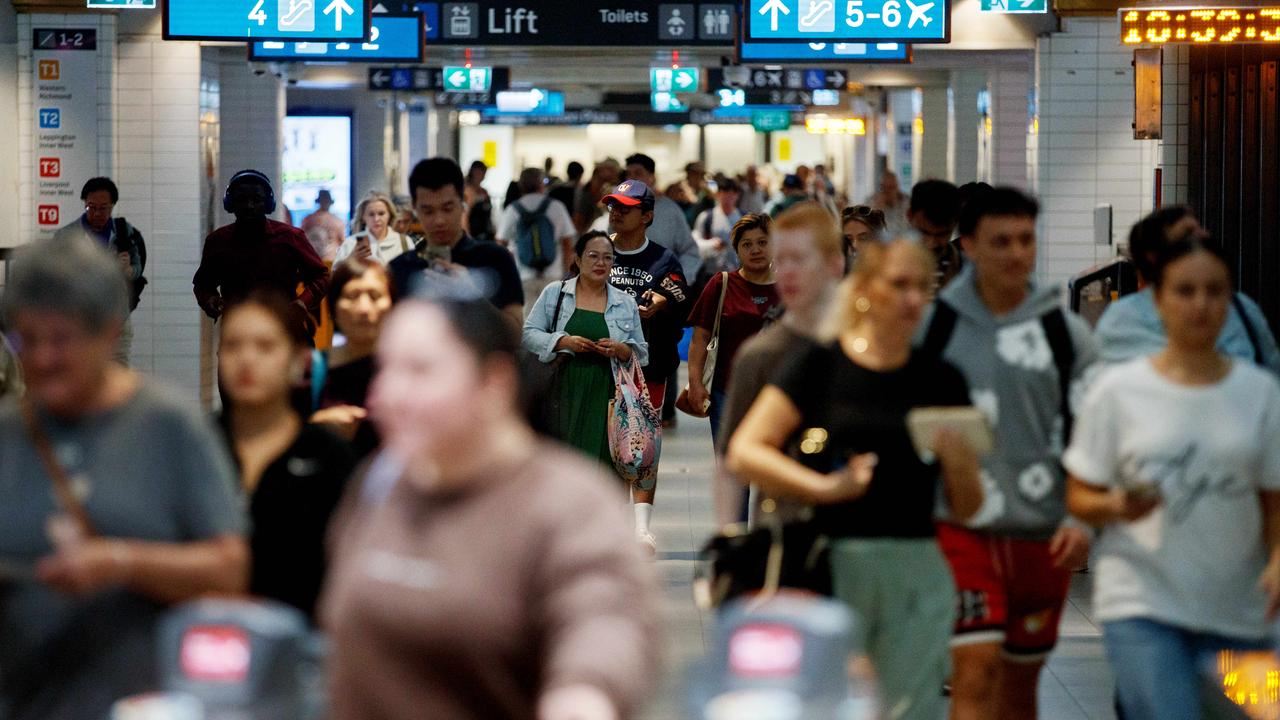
292	472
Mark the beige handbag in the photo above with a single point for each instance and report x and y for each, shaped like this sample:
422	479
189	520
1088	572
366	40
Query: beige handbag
709	366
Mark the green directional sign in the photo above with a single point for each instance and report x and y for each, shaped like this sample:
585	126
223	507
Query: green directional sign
1015	6
666	102
673	80
770	120
468	79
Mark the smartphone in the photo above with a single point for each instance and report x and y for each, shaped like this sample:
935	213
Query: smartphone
439	253
923	423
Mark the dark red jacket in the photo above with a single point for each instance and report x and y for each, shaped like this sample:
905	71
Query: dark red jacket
280	259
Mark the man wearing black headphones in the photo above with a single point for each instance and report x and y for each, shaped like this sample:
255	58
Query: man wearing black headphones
255	253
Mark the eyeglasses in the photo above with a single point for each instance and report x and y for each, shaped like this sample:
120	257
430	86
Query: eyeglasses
619	208
594	257
98	208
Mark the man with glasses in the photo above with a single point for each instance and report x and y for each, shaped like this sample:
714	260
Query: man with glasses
100	196
653	276
933	213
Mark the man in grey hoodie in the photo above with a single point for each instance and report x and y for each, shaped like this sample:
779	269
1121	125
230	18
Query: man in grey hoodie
1022	353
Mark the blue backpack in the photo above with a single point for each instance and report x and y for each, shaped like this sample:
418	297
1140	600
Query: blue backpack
535	236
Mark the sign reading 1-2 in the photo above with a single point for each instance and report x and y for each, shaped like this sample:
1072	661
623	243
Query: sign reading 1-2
916	21
281	20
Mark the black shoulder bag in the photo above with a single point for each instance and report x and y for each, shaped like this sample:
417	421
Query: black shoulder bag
544	381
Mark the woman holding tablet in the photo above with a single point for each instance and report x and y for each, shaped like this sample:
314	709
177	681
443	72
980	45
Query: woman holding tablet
1174	457
845	404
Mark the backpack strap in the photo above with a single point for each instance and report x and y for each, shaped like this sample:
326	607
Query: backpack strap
941	326
1248	328
319	373
1054	323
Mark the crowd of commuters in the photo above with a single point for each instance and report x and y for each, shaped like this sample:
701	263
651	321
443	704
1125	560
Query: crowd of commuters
435	487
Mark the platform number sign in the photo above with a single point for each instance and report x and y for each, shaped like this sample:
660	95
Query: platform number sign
50	167
47	214
50	118
920	21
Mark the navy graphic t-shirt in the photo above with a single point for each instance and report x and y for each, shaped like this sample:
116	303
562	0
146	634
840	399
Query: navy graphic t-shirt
653	267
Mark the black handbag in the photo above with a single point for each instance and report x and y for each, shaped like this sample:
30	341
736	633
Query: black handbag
781	552
738	562
542	382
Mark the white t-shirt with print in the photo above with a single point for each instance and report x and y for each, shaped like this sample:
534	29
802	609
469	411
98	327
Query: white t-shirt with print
508	231
1194	562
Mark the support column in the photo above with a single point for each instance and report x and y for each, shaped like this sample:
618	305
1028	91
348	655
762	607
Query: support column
902	115
935	140
1010	101
966	124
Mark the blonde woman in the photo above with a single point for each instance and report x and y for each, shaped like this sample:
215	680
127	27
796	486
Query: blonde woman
847	400
374	239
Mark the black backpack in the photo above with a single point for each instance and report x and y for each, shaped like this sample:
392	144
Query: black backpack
126	242
1054	322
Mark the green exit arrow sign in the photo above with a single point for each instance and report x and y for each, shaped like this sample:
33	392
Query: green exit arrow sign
770	120
1015	7
468	79
673	80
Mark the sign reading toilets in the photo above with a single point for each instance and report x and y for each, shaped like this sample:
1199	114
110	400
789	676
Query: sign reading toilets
65	111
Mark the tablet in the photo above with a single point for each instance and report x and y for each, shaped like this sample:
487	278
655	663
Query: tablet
923	423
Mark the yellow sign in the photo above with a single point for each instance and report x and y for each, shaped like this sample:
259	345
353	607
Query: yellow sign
784	150
824	125
490	153
1199	26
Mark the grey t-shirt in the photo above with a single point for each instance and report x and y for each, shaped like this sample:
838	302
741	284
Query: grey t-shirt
151	469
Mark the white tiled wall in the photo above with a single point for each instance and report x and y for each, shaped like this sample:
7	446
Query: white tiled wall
1010	99
1086	151
157	166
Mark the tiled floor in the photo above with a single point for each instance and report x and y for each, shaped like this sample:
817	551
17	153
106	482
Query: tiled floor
1077	685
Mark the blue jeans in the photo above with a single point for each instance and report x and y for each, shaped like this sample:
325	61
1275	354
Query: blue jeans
1159	668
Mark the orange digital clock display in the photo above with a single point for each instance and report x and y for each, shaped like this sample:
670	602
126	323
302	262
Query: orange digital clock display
1199	25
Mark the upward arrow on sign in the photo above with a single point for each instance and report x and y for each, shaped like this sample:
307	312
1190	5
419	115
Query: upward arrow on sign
337	9
774	7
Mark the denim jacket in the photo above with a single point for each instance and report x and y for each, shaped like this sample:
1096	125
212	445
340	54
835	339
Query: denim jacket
620	314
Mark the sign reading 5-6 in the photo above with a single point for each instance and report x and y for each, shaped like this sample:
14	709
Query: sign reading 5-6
916	21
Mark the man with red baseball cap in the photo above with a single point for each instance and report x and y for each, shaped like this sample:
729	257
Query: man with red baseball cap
652	275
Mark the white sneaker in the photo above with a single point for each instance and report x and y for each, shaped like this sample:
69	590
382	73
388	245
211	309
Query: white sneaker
648	544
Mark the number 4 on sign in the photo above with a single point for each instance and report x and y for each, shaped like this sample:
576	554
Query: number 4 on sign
258	14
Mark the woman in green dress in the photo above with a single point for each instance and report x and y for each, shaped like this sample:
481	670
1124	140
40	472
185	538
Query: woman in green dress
585	323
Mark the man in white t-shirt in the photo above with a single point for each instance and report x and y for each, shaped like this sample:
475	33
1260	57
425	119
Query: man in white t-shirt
532	199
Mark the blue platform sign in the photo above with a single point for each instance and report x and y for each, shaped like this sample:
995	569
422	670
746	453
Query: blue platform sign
823	53
278	20
914	21
394	38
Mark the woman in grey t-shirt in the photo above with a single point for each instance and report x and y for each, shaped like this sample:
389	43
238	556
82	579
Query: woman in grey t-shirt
133	510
